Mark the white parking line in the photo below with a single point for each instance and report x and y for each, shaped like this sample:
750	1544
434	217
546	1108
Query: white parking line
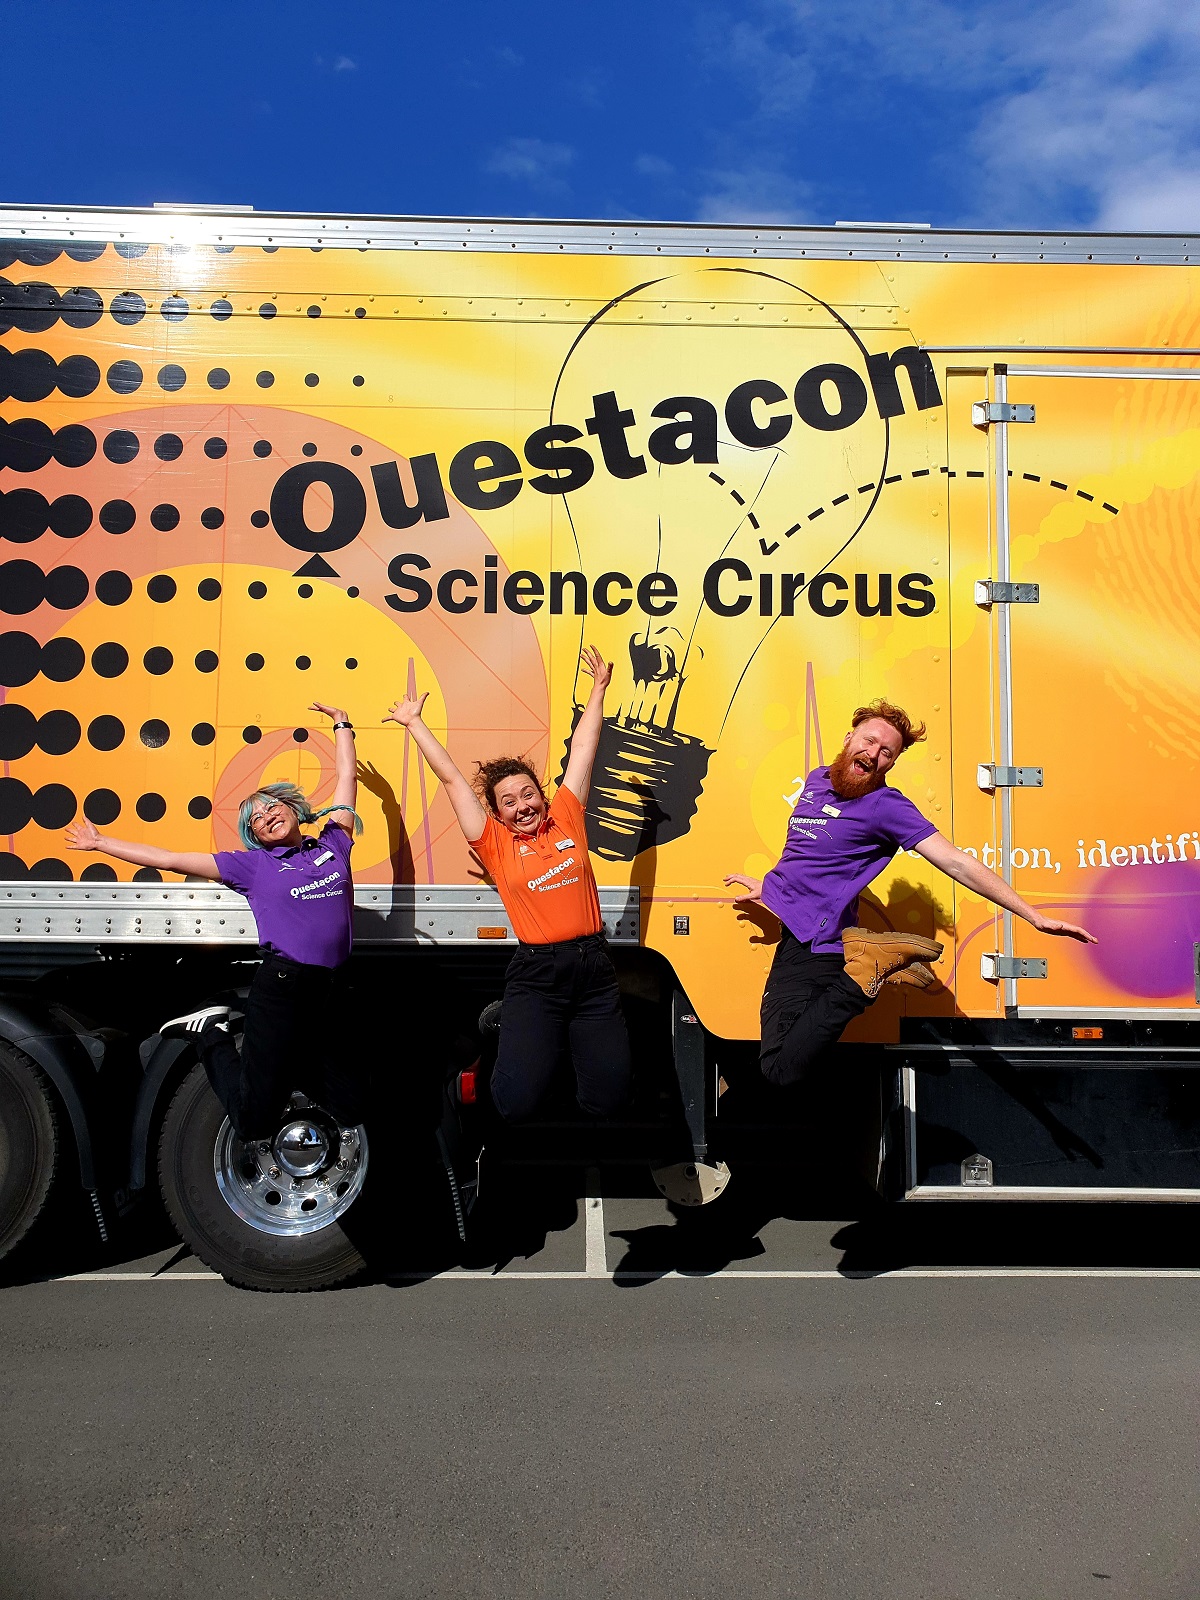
595	1255
782	1274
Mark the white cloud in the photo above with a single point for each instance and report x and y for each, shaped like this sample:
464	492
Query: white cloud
653	167
344	64
1082	108
536	162
753	194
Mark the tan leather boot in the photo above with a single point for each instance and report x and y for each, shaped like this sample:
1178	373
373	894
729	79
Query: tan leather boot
917	976
872	958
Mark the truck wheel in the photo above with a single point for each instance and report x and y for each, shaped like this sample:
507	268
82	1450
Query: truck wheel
270	1214
29	1146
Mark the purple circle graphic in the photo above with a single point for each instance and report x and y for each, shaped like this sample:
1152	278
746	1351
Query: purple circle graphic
1147	919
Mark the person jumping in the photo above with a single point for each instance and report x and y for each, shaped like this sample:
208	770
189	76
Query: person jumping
846	826
561	987
302	895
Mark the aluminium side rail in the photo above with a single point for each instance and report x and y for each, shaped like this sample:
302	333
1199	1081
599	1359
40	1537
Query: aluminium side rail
207	914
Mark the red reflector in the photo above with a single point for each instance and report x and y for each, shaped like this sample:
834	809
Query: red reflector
466	1088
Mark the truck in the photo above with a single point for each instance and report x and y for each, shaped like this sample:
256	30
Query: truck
248	459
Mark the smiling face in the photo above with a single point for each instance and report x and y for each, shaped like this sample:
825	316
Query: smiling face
273	823
519	803
867	753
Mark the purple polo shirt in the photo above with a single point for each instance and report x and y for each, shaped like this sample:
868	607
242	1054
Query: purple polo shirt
834	848
302	896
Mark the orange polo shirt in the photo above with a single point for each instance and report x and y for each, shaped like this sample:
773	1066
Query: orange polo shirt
545	879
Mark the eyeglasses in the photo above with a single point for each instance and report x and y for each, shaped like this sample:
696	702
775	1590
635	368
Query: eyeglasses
267	811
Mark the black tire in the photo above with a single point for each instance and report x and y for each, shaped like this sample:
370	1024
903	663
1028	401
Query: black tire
30	1147
216	1234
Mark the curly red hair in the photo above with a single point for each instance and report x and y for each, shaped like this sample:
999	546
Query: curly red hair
489	773
885	711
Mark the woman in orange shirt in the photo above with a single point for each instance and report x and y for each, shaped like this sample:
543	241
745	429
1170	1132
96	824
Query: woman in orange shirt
561	987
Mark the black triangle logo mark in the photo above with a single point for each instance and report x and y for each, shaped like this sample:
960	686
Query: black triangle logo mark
316	567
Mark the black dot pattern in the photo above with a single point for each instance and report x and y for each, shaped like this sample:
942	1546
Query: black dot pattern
158	660
151	807
54	806
127	308
218	378
98	872
203	733
254	662
164	518
303	662
121	445
102	807
264	380
220	310
212	517
117	516
113	588
259	519
161	588
208	589
106	733
206	661
251	734
124	377
171	377
109	660
58	732
154	733
199	807
300	735
168	447
28	445
214	449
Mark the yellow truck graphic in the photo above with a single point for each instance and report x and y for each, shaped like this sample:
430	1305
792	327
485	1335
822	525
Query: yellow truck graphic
770	473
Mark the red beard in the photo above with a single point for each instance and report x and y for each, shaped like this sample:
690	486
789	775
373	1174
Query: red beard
848	781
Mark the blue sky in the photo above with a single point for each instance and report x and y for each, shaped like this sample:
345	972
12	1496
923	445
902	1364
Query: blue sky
1000	112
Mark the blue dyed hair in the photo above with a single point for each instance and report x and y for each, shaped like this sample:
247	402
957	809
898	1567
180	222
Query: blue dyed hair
297	803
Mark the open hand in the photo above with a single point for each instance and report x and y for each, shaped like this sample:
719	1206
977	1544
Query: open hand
83	836
329	711
752	886
406	711
594	664
1065	930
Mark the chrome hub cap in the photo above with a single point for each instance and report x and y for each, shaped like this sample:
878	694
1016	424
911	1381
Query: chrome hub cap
300	1181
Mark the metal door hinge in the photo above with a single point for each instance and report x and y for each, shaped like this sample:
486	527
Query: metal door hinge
989	776
993	967
986	412
990	593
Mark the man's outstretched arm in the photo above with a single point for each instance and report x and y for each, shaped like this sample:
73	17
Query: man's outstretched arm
972	874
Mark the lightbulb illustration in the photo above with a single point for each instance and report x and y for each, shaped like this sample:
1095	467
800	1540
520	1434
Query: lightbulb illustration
744	426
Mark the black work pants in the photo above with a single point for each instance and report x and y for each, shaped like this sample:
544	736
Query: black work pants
288	1042
808	1000
557	995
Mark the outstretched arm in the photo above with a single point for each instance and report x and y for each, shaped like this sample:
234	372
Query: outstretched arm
578	776
472	818
345	766
972	874
85	836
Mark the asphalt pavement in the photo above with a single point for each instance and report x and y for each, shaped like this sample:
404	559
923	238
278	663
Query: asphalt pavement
939	1402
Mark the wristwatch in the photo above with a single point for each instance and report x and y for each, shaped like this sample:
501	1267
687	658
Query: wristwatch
338	725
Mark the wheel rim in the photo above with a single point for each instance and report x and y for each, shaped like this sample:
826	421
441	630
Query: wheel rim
299	1182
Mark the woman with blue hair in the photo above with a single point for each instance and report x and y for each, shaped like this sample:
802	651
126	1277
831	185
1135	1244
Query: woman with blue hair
301	892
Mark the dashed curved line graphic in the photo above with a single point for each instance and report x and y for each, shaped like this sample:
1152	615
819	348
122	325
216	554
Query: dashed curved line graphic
895	477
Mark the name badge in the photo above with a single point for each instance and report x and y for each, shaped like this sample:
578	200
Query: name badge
326	855
564	844
831	811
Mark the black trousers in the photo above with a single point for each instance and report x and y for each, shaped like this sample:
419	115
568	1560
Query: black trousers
288	1042
807	1002
557	995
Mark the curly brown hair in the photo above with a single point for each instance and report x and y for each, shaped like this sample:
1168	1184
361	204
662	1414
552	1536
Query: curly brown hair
489	773
900	720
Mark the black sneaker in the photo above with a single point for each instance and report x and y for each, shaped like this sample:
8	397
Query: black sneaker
194	1023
